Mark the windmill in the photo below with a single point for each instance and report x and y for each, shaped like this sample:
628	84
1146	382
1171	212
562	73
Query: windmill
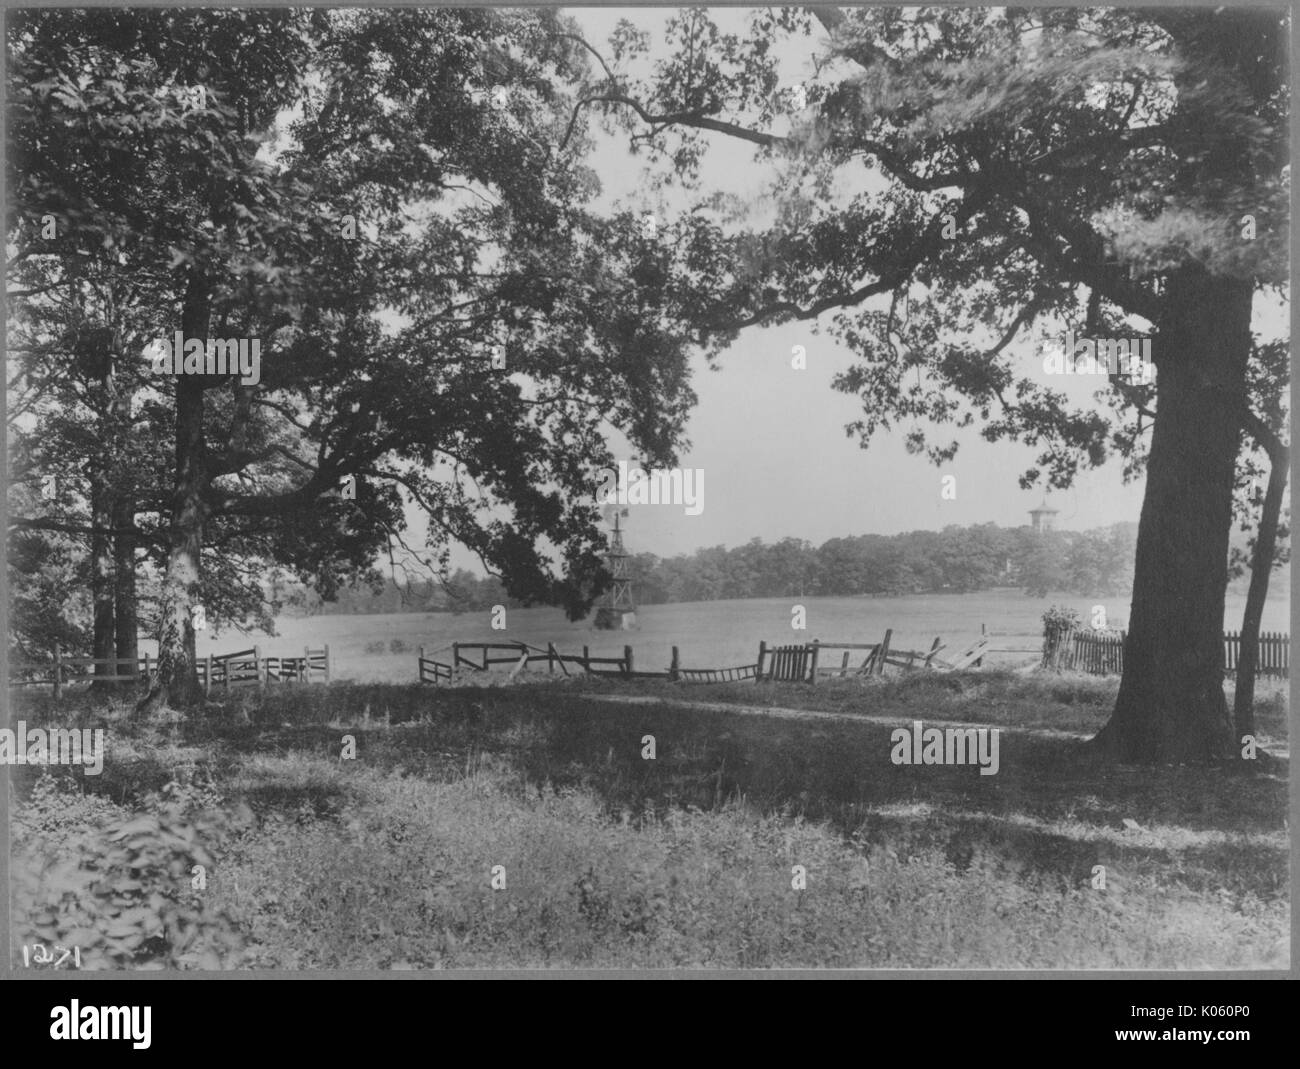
618	612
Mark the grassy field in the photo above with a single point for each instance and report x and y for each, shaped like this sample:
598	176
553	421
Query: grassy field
612	860
710	634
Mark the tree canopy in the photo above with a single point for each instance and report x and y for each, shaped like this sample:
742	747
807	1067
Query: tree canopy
1117	172
396	205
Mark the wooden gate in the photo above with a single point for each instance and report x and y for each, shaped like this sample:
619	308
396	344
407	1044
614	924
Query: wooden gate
790	664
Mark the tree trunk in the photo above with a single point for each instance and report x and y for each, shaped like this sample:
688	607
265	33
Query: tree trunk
101	577
177	683
126	618
1171	706
1261	566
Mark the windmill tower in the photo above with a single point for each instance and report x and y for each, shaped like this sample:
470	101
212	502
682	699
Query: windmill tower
618	613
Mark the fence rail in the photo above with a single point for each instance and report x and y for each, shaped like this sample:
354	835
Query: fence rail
1103	654
1098	655
1274	654
791	663
214	670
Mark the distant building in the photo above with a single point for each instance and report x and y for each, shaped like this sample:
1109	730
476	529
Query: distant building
1043	518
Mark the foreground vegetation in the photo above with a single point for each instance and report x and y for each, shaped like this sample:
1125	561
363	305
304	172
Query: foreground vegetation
610	859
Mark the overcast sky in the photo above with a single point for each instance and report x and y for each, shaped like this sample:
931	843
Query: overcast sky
770	439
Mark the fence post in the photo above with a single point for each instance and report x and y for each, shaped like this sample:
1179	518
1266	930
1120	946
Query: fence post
816	649
933	650
586	660
146	668
883	652
257	664
762	653
627	657
550	658
674	667
58	671
207	676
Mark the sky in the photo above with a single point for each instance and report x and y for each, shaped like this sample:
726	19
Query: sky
770	439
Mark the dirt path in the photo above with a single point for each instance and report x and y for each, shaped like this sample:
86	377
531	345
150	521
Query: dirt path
817	714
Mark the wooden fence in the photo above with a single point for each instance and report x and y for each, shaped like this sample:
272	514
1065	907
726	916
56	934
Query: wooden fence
214	670
1099	655
1274	654
792	663
807	662
250	667
789	664
1103	654
480	657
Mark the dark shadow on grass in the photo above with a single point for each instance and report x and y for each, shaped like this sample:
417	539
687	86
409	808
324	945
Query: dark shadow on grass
1053	811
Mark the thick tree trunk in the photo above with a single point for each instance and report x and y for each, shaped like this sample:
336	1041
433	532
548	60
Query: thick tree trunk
177	683
1261	566
1171	706
125	615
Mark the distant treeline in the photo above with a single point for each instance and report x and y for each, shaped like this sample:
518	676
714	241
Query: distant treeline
954	560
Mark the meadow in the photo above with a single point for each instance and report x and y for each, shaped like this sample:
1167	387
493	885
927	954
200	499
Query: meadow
710	634
748	841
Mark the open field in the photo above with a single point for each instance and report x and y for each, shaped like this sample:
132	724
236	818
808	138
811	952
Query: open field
710	634
685	860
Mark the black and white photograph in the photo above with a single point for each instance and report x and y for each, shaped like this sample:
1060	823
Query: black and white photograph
647	492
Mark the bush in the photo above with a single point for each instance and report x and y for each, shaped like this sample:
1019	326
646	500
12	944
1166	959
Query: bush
123	887
1058	624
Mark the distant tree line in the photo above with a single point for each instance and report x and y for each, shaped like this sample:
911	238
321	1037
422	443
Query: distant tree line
462	591
954	560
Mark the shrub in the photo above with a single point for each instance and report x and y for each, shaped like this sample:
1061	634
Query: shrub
1058	624
123	887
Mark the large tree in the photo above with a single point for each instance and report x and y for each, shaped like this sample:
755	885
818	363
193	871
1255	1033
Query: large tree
396	205
1114	171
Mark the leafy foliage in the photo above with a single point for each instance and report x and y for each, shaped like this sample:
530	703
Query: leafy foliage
119	886
994	169
347	193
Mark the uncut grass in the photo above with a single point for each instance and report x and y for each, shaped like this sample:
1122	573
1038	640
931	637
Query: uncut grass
614	860
405	884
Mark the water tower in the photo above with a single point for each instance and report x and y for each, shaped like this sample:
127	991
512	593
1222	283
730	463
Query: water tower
1043	518
618	613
